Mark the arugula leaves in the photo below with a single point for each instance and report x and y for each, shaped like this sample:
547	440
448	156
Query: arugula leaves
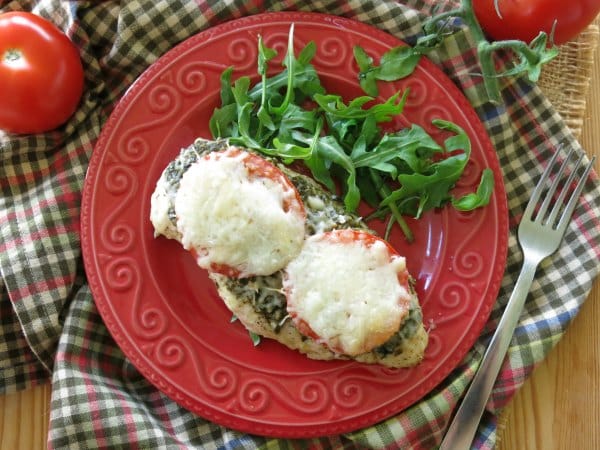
397	63
290	116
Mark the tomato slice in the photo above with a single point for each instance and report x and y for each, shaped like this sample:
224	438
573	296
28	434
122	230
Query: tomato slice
257	169
356	305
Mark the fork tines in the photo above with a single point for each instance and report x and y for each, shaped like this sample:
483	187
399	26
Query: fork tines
545	214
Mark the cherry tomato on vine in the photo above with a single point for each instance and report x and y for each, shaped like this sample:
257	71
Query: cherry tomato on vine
41	75
524	19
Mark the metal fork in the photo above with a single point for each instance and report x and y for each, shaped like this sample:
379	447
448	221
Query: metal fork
540	234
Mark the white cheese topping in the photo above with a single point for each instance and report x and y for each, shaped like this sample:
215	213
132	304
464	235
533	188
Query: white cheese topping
236	219
348	293
159	211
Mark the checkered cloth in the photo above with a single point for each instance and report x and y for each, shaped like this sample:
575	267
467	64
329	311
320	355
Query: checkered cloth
49	325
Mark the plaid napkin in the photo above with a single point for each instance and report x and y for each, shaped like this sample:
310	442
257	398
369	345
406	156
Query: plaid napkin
49	325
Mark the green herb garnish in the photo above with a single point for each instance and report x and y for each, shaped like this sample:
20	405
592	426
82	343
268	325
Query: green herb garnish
528	57
397	63
399	173
255	338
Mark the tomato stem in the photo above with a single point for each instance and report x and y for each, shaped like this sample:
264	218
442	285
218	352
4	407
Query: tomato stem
11	55
531	56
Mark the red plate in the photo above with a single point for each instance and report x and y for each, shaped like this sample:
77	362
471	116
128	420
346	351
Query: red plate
164	312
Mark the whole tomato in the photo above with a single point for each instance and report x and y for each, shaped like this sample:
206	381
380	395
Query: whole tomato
41	76
524	19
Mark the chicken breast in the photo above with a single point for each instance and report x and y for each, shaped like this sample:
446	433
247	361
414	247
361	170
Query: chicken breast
259	301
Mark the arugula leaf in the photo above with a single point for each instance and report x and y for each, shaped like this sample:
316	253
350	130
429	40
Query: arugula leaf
396	216
411	145
479	198
420	192
306	54
342	143
334	104
296	118
289	63
398	63
222	122
367	73
265	55
226	92
319	168
240	90
255	338
328	148
382	112
395	64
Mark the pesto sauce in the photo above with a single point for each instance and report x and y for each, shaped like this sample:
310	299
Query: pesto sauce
178	166
407	330
264	294
324	212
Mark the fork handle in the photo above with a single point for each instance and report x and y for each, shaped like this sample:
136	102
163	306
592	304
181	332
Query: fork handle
462	430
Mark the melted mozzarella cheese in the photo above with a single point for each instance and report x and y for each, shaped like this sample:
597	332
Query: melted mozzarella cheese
235	219
159	211
347	293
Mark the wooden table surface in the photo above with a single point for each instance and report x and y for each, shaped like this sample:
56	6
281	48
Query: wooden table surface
558	407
